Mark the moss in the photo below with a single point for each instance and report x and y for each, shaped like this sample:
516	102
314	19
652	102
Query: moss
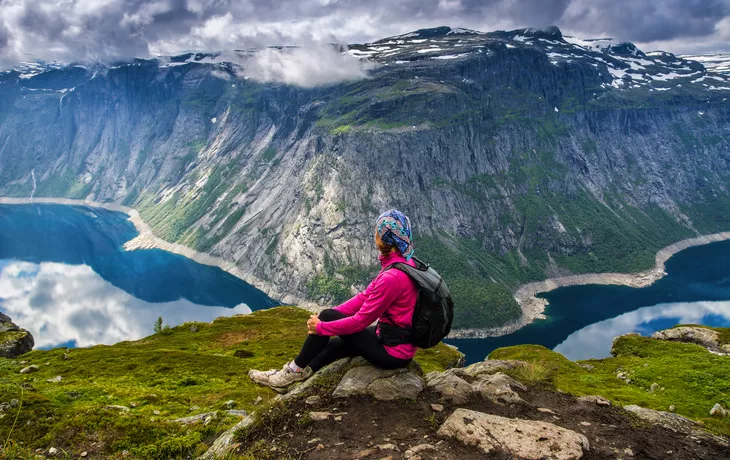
11	336
693	378
168	373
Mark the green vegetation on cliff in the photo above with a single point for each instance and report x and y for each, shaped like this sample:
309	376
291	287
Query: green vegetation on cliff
687	375
156	379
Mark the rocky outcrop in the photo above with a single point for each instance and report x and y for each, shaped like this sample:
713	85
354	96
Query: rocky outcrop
525	439
691	334
14	341
483	378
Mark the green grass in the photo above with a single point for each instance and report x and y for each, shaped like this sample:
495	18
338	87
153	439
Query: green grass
693	378
169	373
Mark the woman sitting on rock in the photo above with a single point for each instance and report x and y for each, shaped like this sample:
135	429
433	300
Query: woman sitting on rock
344	331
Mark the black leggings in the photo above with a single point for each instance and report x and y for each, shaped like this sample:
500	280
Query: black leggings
320	350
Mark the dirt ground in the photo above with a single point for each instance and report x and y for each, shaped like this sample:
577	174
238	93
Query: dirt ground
386	430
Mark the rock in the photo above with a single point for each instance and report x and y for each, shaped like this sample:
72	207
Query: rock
406	385
195	418
237	413
14	341
437	407
230	404
322	416
119	408
14	402
524	439
193	328
319	447
221	445
665	419
84	454
698	335
718	411
586	423
55	379
488	366
654	387
258	400
243	354
4	407
365	453
587	367
593	399
414	453
545	410
356	380
65	357
312	400
30	369
451	387
156	412
52	451
387	446
194	408
498	388
672	408
384	385
311	383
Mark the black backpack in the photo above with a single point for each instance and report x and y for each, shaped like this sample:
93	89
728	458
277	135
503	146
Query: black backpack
433	314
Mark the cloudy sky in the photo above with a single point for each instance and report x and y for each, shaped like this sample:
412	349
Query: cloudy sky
110	29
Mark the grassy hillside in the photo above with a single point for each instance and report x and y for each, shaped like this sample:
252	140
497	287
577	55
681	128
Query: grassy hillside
689	377
173	374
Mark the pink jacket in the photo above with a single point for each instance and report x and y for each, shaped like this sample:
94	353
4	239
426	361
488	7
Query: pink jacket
391	291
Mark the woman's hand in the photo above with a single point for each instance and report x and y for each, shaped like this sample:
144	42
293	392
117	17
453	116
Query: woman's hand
312	324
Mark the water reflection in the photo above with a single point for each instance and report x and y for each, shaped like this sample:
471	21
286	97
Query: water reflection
594	341
72	305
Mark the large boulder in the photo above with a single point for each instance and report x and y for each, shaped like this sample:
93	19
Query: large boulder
691	334
524	439
498	388
666	419
385	385
14	341
450	386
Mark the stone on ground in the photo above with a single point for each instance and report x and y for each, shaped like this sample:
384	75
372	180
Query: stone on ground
488	367
222	445
524	439
666	419
498	388
384	385
450	386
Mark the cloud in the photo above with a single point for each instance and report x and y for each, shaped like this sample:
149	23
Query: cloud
116	29
306	67
61	304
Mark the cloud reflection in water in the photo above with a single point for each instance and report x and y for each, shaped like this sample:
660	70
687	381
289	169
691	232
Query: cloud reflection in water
594	341
71	304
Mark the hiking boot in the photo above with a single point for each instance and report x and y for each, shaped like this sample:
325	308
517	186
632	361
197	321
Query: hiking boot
279	380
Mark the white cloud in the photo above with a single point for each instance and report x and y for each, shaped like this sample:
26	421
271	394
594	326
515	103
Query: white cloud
306	67
61	303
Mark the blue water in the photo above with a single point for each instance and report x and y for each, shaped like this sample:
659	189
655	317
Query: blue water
65	276
582	320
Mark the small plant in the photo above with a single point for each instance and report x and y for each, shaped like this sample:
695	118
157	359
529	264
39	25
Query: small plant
160	328
432	420
533	373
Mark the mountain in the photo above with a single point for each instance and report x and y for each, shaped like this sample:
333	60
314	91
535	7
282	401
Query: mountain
518	155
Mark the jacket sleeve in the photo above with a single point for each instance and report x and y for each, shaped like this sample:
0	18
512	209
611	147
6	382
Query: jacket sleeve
351	307
382	292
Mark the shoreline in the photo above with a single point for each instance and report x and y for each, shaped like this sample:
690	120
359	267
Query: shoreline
146	239
533	307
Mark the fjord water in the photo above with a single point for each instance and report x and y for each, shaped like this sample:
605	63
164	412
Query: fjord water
65	276
583	320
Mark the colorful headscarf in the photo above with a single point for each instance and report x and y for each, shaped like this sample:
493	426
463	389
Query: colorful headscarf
394	228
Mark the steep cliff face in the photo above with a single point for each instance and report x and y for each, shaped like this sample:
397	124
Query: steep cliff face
517	155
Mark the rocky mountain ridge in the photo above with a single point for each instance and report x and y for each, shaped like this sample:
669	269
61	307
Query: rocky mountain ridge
518	155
